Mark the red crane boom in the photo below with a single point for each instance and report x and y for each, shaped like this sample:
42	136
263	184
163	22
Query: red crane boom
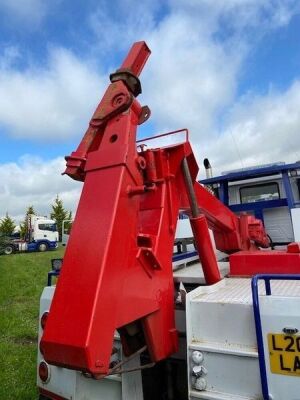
117	269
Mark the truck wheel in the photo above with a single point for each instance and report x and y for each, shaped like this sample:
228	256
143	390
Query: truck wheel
42	247
9	249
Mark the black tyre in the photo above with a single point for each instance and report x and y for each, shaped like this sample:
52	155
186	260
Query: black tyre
271	242
43	247
8	249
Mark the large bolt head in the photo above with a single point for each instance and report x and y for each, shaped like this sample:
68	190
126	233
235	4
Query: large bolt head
197	357
197	371
200	384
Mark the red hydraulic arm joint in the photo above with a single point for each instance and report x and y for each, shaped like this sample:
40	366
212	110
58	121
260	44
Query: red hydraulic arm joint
119	97
117	269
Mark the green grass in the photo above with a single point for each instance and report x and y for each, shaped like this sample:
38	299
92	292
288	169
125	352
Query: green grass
22	279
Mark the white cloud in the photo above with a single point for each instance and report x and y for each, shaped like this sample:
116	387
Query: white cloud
192	77
33	181
189	78
240	15
25	11
49	103
115	28
193	73
260	129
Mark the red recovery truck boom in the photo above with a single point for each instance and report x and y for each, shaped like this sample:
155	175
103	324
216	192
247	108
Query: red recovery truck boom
121	278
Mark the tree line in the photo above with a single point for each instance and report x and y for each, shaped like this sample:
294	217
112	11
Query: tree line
58	214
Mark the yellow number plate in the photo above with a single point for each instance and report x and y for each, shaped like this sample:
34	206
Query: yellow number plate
284	353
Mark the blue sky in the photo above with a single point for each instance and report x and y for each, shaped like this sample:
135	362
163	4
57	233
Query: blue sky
226	69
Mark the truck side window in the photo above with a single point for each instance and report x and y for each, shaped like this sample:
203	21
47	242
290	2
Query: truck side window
47	227
261	192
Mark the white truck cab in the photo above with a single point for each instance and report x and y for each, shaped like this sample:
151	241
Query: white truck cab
42	235
42	228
